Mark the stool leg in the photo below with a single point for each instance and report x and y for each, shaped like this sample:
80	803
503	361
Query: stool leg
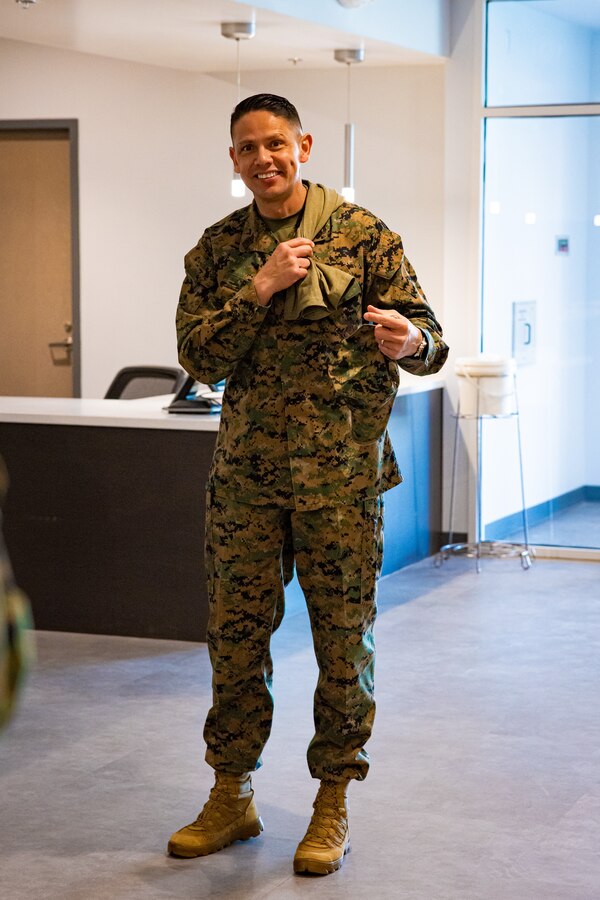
478	484
527	556
454	468
478	536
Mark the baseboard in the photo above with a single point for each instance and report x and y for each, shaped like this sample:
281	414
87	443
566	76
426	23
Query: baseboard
497	530
576	554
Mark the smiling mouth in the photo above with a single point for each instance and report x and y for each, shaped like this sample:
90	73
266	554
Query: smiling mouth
266	176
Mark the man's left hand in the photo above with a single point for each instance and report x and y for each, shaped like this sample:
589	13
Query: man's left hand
396	335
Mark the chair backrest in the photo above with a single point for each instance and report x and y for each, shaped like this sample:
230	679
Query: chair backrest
134	382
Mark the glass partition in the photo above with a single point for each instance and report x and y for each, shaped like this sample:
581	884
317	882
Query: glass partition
543	52
541	304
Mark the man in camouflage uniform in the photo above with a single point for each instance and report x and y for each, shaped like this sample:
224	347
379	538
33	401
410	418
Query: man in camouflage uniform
17	650
281	298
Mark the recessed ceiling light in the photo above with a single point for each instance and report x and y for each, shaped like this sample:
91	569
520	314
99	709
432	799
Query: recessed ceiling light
354	4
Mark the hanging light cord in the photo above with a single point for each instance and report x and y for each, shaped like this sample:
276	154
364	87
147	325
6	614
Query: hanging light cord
238	76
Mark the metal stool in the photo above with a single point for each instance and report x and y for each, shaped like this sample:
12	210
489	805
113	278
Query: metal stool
480	547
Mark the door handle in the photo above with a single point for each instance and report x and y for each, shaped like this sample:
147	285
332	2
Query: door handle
61	351
63	358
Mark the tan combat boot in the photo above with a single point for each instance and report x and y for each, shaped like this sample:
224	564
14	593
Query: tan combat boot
228	815
322	849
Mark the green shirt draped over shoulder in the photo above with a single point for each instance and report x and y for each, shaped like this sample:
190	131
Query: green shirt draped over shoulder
306	402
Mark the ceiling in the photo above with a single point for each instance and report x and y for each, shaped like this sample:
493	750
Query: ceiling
185	34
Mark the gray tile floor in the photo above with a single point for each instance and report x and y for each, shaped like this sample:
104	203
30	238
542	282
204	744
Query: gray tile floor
485	782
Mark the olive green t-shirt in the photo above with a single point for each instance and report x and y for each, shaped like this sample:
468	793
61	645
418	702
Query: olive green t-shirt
283	229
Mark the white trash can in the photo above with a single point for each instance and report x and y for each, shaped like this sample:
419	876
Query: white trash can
489	378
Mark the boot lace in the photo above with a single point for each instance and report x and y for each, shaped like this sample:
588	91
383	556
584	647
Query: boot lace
329	822
221	809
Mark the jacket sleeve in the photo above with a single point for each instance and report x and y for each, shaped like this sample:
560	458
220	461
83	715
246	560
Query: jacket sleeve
393	284
216	323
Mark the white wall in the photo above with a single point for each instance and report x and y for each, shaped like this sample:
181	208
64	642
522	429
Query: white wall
151	155
154	172
462	234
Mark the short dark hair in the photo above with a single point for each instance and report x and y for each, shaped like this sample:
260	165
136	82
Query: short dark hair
272	103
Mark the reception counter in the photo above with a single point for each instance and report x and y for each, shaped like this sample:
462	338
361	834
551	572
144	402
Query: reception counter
104	519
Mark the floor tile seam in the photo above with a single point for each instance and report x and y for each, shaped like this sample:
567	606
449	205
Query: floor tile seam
288	879
567	812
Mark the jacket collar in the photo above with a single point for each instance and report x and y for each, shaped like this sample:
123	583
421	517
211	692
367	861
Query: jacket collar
255	234
257	237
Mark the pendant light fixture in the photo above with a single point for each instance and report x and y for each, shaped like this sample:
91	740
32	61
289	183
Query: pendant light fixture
354	4
349	57
238	31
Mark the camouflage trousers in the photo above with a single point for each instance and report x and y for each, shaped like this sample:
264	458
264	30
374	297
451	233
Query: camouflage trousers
250	555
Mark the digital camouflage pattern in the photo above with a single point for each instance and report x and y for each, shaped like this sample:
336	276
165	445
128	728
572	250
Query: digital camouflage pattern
301	461
16	641
338	552
306	402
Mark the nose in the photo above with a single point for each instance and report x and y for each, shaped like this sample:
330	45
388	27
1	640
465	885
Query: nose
263	156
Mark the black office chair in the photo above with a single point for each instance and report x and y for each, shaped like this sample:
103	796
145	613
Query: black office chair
134	382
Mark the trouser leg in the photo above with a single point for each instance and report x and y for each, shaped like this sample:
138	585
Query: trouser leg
244	563
338	554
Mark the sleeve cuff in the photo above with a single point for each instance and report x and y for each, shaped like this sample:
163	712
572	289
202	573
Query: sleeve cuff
246	306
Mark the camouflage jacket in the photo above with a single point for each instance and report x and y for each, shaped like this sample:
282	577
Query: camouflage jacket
306	403
17	649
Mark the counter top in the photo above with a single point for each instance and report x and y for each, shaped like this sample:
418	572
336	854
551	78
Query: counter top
149	412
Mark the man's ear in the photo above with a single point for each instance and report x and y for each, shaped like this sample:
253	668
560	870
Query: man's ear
305	144
233	158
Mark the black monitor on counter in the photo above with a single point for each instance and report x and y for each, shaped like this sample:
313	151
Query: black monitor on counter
194	397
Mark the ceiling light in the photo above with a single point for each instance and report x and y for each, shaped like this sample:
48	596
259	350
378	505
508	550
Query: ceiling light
26	3
354	4
238	31
349	57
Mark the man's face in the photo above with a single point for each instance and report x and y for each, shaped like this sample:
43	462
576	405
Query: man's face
267	152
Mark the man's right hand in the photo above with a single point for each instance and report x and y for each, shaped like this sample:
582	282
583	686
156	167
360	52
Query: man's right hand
287	264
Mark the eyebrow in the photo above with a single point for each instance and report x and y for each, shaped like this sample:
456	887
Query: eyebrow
250	139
